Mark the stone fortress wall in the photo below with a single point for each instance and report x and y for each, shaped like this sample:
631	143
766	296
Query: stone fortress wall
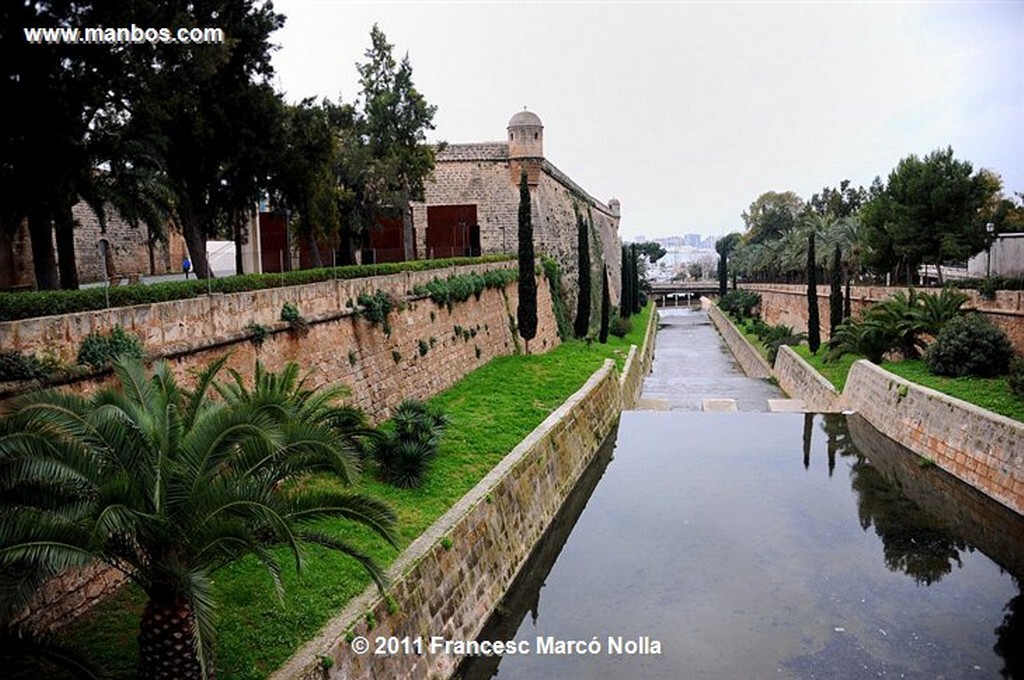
127	249
487	175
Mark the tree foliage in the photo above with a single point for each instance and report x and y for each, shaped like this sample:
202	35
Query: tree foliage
929	211
526	312
581	325
169	485
652	250
724	246
602	335
813	320
771	216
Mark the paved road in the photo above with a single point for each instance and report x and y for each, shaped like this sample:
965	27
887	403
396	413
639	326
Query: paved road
692	363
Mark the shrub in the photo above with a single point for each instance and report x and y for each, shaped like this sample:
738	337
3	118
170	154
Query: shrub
99	351
869	337
554	277
739	303
290	313
1016	379
970	345
45	303
258	333
403	451
446	292
777	336
620	327
18	366
377	308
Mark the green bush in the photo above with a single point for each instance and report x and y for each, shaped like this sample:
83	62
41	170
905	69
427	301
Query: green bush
775	337
46	303
290	313
620	327
404	450
554	276
970	345
1016	379
18	366
99	351
739	303
376	308
446	292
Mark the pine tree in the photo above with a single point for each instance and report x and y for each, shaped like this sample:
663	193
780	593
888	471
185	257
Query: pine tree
606	304
581	326
813	322
526	313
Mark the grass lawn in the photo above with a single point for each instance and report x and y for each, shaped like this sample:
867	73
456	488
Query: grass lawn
989	393
490	411
834	371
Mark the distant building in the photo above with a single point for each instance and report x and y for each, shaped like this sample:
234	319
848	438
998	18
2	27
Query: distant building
1007	258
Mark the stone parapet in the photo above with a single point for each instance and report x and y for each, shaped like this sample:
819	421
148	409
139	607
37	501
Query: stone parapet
801	381
984	449
749	359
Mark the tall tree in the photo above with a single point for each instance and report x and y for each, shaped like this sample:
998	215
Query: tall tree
652	250
626	274
303	178
929	211
835	296
170	485
526	312
724	246
772	215
395	119
606	304
637	283
838	203
813	320
581	325
212	108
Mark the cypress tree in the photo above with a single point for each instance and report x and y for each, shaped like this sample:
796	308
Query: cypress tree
625	304
582	323
606	305
723	275
526	312
813	322
635	267
835	297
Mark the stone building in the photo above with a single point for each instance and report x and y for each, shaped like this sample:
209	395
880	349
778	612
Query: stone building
121	251
471	206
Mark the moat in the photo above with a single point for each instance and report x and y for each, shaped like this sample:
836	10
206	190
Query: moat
760	544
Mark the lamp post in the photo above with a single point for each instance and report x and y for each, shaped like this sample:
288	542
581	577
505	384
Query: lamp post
991	229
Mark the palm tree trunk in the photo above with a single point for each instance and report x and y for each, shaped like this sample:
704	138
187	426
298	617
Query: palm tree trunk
166	641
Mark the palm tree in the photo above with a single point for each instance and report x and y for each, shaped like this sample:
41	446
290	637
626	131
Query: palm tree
168	485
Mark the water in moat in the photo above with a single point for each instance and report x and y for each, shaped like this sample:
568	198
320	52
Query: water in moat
753	545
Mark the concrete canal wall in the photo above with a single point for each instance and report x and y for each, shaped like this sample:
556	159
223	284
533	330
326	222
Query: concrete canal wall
450	579
979	447
753	364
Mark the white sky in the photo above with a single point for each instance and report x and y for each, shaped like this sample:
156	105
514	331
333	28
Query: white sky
686	112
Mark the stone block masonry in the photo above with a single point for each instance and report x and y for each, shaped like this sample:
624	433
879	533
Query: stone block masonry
787	304
428	350
982	448
798	378
749	359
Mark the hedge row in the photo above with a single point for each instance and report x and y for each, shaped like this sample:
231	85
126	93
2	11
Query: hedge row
47	303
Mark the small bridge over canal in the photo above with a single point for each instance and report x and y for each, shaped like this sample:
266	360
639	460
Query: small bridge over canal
681	293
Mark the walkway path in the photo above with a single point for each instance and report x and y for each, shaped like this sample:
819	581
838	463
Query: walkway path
692	364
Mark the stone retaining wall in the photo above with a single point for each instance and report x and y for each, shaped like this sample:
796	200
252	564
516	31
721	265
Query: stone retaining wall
982	448
380	369
450	592
749	359
800	380
638	364
787	304
182	326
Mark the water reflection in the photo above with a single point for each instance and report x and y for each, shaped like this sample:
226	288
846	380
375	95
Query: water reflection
704	535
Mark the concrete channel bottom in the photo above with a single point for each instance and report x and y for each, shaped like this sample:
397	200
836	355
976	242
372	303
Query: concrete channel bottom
693	370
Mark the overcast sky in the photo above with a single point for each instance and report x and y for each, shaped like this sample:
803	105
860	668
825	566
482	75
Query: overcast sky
686	112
